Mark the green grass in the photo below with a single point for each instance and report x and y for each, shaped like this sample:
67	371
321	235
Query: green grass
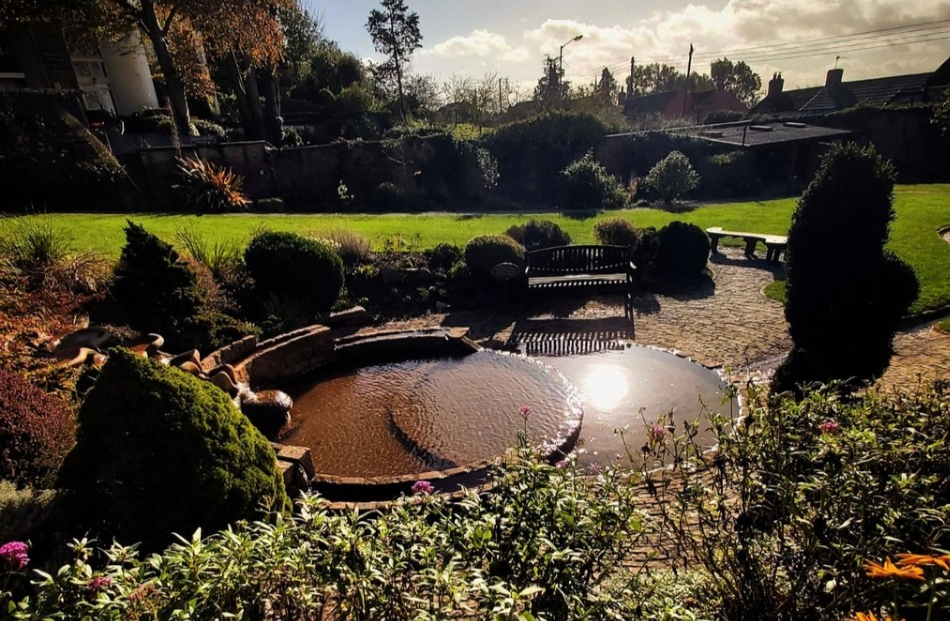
921	211
775	290
944	326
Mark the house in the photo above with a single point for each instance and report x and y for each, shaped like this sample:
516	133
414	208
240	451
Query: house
693	106
836	94
109	76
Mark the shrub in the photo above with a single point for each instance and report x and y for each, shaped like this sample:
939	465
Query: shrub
209	188
806	492
36	432
23	512
538	234
289	265
160	451
723	116
683	251
730	175
587	186
443	256
845	295
31	245
49	158
644	244
549	541
220	257
615	231
352	247
208	128
156	289
211	330
484	252
672	177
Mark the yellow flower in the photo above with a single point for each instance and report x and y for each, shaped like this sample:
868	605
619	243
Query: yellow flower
870	616
890	570
920	560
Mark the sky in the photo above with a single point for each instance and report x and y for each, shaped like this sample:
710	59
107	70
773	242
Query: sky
802	39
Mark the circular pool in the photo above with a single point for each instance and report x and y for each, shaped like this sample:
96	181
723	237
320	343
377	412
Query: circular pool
410	417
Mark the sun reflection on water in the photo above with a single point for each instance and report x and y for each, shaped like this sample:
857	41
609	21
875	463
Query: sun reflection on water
605	386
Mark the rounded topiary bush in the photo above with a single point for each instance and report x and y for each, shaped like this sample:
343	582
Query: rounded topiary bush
683	250
159	452
484	252
616	231
536	234
36	432
291	266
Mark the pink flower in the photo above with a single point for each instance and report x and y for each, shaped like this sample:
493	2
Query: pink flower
657	432
829	426
563	464
98	583
14	553
525	412
422	488
594	469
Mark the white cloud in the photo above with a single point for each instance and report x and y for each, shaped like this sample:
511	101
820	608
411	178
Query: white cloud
479	43
771	35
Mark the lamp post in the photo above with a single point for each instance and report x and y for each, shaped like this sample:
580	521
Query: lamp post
560	55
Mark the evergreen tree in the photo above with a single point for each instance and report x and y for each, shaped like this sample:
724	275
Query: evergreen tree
395	33
845	292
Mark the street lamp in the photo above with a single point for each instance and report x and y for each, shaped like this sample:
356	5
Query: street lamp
560	55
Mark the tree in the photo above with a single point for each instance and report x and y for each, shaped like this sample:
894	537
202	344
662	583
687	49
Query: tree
845	294
552	89
607	88
395	33
657	78
303	35
672	177
738	79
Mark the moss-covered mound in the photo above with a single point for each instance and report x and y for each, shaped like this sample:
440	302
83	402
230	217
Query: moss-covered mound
159	451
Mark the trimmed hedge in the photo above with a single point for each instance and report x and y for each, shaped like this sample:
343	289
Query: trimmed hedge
160	452
295	267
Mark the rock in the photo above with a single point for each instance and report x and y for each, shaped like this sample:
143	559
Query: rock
147	345
390	276
268	410
190	367
225	382
191	356
421	274
92	338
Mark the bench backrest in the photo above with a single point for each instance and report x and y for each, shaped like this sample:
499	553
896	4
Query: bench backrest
579	259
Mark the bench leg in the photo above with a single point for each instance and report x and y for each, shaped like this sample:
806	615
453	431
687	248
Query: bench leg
714	244
750	247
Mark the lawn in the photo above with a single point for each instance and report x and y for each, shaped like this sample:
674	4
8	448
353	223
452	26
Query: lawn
921	211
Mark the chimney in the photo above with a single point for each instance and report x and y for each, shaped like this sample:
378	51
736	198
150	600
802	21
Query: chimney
776	84
834	77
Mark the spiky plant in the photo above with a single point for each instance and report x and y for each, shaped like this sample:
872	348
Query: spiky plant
209	188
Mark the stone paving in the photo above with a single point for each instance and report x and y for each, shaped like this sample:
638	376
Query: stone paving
724	322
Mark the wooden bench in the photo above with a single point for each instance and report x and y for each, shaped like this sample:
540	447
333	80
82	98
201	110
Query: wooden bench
775	245
582	266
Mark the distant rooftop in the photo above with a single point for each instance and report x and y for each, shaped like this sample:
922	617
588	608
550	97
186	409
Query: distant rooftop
767	134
